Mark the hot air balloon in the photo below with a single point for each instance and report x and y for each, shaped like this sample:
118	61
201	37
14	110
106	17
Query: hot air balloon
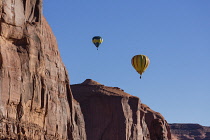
97	40
140	63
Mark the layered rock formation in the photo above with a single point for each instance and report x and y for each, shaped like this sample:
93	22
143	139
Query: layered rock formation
112	114
35	96
189	132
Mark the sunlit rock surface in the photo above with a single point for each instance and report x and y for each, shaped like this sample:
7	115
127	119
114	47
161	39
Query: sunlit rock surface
35	96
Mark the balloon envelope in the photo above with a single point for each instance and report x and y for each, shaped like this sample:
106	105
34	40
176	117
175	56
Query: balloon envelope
140	63
97	40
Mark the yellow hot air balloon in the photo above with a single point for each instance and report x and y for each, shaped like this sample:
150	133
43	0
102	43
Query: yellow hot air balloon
140	63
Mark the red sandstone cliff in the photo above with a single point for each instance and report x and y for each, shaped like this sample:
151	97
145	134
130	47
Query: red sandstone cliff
112	114
35	96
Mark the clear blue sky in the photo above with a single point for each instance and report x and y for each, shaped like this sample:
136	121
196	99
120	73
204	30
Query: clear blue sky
174	34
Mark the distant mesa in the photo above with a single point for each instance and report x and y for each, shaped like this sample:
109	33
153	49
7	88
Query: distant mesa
90	82
186	131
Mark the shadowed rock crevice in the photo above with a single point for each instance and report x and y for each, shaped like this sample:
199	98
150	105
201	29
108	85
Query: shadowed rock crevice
23	42
20	110
37	9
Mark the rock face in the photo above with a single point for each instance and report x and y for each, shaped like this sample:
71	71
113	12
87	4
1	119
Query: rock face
35	96
190	132
112	114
